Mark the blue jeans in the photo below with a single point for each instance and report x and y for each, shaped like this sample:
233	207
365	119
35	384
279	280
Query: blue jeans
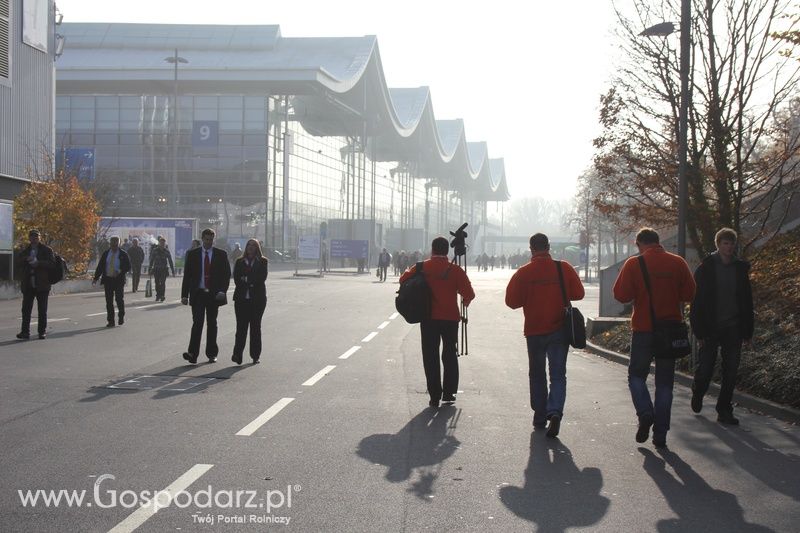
638	368
553	348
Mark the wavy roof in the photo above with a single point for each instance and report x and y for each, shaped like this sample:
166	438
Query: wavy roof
338	87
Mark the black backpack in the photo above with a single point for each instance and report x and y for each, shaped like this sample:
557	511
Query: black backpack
414	298
59	269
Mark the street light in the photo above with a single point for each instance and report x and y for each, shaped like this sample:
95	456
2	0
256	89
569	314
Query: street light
663	29
174	59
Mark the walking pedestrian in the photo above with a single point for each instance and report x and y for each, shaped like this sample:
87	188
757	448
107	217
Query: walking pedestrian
384	260
249	299
721	318
537	288
446	281
114	264
160	265
206	277
136	255
671	285
35	262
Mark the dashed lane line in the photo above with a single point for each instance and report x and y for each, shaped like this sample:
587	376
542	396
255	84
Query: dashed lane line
164	498
349	352
393	316
318	376
384	324
369	337
264	417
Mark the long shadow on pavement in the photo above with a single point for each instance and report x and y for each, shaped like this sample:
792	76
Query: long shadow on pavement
698	506
422	445
557	495
773	468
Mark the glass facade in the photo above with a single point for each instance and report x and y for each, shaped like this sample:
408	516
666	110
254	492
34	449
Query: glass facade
223	159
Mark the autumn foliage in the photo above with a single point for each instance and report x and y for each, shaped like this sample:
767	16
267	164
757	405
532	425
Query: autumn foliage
64	212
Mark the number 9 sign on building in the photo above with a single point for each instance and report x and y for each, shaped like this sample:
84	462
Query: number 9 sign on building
205	133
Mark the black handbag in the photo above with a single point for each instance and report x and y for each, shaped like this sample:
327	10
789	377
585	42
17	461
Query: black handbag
574	323
670	337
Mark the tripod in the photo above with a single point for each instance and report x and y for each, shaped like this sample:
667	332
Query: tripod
461	260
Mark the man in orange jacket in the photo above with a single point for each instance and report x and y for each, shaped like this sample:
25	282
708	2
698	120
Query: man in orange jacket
672	285
536	287
446	281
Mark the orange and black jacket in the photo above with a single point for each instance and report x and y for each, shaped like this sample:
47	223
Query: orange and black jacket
535	287
446	281
671	282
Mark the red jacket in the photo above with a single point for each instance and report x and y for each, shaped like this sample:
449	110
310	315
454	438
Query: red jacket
444	288
535	288
670	280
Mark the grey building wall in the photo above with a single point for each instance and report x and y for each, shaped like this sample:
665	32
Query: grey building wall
27	100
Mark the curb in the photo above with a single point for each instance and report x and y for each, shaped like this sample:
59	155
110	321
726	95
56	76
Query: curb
742	399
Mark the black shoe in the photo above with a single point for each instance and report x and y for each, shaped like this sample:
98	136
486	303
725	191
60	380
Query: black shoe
23	336
256	361
236	359
190	357
645	423
555	425
110	325
42	335
727	418
433	403
697	402
448	398
212	359
539	425
660	442
121	320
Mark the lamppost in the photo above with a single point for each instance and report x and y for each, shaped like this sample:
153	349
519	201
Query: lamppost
663	29
173	123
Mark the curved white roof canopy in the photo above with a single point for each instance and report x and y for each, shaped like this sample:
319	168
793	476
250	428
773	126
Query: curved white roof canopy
338	87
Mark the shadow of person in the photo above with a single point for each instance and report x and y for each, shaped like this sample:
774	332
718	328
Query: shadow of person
775	469
422	445
557	495
698	506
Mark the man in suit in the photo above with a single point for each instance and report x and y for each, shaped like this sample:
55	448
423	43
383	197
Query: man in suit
35	262
206	277
114	264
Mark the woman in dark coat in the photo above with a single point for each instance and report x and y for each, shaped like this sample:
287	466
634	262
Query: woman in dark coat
249	299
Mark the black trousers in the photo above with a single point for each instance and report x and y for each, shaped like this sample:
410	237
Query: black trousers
41	297
432	332
384	270
248	316
136	274
729	343
160	278
115	290
204	308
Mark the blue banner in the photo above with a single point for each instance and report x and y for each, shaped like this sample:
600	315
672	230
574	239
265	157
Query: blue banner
349	249
77	161
205	133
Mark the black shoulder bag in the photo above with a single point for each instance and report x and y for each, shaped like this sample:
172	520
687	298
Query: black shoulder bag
574	324
670	337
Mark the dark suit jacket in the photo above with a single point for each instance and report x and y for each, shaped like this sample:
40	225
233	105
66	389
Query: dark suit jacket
45	261
193	269
255	281
124	268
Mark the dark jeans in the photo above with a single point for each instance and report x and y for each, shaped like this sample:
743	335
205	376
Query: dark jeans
204	308
27	307
638	368
248	315
552	349
160	278
384	270
115	290
136	274
729	342
446	331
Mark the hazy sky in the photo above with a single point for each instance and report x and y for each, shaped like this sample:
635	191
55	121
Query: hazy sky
526	77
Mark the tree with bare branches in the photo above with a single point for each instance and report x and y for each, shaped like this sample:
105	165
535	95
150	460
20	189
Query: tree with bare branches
740	151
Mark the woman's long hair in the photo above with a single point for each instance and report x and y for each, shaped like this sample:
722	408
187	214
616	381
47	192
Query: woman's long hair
259	255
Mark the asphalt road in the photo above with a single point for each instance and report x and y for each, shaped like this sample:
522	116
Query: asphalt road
330	437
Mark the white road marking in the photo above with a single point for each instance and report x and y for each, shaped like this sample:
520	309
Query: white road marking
369	337
148	306
140	515
264	417
97	314
349	352
318	376
51	320
384	324
393	316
